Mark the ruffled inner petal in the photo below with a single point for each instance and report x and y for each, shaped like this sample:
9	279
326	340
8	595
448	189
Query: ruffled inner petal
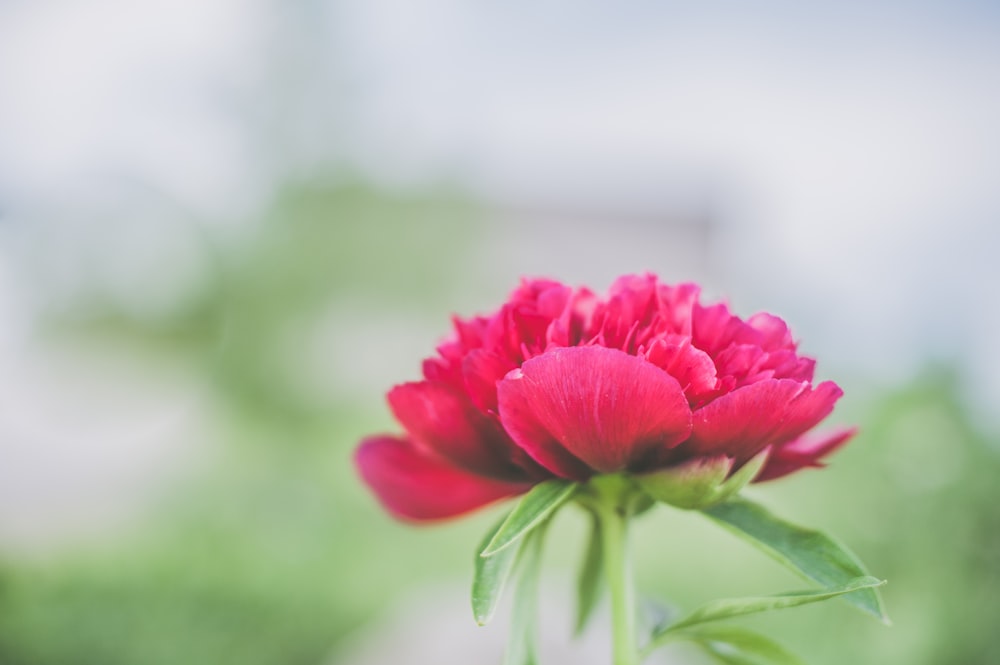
692	368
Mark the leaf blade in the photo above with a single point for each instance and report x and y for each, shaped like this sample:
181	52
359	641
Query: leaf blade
745	647
736	646
522	640
588	586
729	608
490	575
813	554
532	510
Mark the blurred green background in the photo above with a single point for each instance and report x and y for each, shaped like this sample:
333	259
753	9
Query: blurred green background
260	546
223	243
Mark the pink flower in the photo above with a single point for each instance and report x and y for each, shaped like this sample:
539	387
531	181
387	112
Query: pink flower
562	383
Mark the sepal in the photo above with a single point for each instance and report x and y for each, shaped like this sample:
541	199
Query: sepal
701	482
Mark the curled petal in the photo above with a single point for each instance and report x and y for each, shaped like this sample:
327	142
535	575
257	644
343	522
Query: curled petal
574	323
804	452
630	309
714	328
774	332
789	365
750	418
592	408
692	368
414	485
742	362
677	304
806	411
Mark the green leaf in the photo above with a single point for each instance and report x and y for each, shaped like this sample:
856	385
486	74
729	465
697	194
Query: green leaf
737	646
588	586
732	645
521	643
812	554
728	608
489	577
530	511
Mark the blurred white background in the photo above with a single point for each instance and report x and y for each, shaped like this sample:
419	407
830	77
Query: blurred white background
846	153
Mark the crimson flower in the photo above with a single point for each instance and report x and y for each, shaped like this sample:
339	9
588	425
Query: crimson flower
561	383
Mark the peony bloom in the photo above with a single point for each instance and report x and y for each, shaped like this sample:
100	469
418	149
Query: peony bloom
561	383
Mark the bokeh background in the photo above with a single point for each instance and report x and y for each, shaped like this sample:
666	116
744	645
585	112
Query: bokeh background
227	227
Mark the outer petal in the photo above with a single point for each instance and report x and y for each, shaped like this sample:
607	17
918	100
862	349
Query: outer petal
803	452
594	405
444	422
413	485
750	418
808	409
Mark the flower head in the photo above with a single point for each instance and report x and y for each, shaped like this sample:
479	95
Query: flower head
689	399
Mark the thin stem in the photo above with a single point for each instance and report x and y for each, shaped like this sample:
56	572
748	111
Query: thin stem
618	571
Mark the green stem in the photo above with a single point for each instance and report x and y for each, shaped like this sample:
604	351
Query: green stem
614	519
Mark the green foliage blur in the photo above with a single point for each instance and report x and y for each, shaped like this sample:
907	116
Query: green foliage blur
268	551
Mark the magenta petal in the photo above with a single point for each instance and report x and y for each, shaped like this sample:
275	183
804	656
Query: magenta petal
594	405
692	368
803	452
806	411
518	418
482	370
769	412
441	420
743	422
676	305
775	334
416	486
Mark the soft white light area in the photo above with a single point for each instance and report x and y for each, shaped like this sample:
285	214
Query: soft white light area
88	434
112	88
846	152
852	151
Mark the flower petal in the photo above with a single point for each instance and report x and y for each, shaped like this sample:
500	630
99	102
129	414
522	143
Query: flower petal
677	304
594	405
444	422
806	411
775	335
414	485
692	368
803	452
742	422
482	370
714	327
